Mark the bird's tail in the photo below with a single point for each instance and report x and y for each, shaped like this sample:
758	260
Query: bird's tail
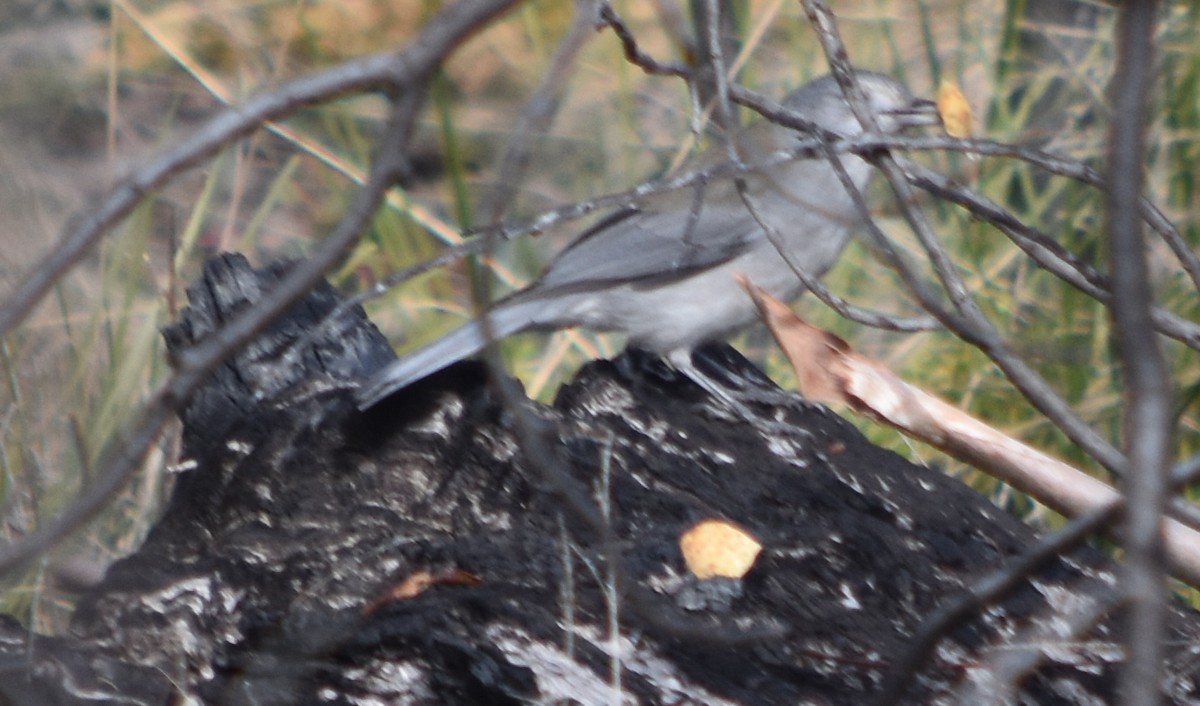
463	342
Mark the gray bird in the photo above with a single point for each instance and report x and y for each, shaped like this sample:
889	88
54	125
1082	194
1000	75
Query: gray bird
662	270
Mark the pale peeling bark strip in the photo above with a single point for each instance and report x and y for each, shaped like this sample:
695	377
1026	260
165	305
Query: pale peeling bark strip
829	370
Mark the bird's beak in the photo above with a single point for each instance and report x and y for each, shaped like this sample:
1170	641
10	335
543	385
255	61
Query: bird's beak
919	113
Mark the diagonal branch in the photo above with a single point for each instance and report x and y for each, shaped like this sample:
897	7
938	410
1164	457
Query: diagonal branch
406	72
968	322
390	71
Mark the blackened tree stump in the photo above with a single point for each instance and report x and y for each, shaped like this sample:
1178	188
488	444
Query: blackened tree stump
445	548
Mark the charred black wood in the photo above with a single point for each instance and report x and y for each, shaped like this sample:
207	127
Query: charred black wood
416	553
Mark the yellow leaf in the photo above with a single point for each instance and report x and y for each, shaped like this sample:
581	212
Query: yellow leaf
953	107
718	548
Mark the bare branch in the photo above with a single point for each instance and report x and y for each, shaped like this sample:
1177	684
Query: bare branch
969	322
1147	420
405	72
539	111
393	71
997	585
633	53
710	79
1046	251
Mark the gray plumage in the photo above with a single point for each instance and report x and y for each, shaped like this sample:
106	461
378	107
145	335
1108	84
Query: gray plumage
662	270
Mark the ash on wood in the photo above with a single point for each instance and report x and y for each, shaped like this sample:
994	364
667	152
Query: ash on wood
443	548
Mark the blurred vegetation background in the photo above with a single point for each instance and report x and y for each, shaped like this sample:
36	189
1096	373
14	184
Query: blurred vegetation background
92	88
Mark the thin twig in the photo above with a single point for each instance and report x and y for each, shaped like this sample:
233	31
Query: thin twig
539	112
997	677
478	244
633	53
1045	251
407	72
858	314
998	584
969	322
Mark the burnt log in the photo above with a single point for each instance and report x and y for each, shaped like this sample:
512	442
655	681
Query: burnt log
447	547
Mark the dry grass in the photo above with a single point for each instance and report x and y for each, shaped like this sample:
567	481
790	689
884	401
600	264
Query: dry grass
122	86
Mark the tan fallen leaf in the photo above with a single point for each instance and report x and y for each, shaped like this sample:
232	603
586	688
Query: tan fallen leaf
718	548
417	583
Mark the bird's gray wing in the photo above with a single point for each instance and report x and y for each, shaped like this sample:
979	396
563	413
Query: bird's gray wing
654	243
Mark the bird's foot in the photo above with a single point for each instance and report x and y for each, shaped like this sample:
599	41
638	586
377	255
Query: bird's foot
735	386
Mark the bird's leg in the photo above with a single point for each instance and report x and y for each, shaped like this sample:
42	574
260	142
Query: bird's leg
756	389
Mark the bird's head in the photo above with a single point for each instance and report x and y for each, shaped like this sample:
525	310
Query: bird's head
821	101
